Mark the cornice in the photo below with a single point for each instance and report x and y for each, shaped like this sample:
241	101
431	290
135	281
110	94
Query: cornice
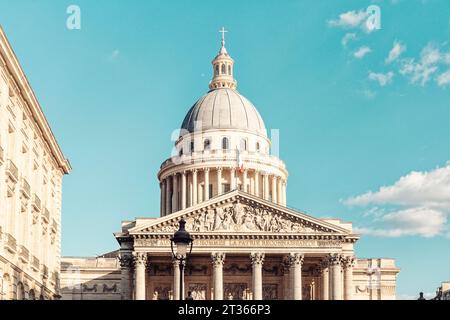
23	88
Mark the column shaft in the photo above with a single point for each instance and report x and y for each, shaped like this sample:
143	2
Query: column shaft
168	196
336	277
257	262
266	186
279	192
140	262
257	193
325	282
218	259
175	193
219	181
245	181
207	195
194	187
274	189
233	179
163	203
296	262
183	190
126	262
176	279
348	278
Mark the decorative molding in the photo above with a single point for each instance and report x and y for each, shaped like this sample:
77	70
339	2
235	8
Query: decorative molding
218	259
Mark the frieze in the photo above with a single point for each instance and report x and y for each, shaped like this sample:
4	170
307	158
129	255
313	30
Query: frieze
254	243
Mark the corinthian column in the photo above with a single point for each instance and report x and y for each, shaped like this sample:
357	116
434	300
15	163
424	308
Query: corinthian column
348	264
163	198
245	181
296	263
218	259
257	259
183	190
126	265
194	187
286	266
207	195
336	277
140	260
325	280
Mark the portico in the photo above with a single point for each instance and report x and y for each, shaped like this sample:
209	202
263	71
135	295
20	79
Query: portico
245	248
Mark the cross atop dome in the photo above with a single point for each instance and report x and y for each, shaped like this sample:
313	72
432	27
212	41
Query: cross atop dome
223	31
223	68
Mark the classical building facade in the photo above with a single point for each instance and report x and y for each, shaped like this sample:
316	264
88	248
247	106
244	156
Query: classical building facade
31	170
248	244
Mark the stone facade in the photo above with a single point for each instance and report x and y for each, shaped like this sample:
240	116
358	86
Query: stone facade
31	170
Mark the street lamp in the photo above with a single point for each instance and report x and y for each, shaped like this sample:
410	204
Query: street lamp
183	242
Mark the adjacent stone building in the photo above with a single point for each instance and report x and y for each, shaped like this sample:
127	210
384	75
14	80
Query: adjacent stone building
31	170
249	244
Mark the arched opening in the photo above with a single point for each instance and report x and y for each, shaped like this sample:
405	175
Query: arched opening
217	70
229	70
258	147
32	295
223	69
192	146
20	291
181	152
5	289
207	144
225	144
243	145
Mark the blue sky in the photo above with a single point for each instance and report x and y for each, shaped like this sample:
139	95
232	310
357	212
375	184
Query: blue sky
357	110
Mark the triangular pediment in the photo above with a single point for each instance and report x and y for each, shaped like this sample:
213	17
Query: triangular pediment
240	213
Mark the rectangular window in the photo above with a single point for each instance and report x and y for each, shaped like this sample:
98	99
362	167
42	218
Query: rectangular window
226	187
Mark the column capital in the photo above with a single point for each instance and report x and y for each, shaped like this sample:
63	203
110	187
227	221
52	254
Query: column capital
140	258
207	169
296	259
257	258
348	262
195	170
219	169
335	259
218	258
126	260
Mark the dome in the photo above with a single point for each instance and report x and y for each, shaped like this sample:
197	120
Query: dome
224	108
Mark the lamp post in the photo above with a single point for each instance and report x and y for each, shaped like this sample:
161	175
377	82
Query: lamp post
180	244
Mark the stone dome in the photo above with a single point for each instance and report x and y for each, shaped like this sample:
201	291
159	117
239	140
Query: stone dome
224	108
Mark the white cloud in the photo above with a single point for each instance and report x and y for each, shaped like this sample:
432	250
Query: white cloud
350	19
444	79
361	52
381	78
347	38
409	222
395	52
447	58
425	198
421	72
426	189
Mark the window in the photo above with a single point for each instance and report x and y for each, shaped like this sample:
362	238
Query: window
223	69
225	144
243	145
192	146
207	144
181	152
257	147
226	187
229	70
217	69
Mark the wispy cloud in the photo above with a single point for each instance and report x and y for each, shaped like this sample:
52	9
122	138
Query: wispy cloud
349	19
347	38
382	78
444	79
422	71
423	199
361	52
395	52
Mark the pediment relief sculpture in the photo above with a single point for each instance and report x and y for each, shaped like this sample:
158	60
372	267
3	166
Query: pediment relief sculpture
239	217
